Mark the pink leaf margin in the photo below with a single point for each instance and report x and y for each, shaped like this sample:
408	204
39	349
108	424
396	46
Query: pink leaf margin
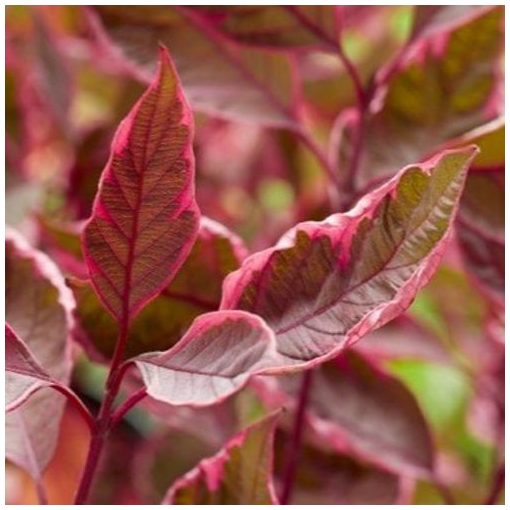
25	365
201	324
48	270
345	225
212	468
120	140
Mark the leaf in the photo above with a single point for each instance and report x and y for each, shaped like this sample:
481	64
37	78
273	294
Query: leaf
90	153
359	409
325	477
443	87
24	375
403	338
53	71
39	310
62	241
239	474
481	219
326	284
480	230
438	307
145	218
219	77
195	289
39	306
164	458
277	26
432	19
215	358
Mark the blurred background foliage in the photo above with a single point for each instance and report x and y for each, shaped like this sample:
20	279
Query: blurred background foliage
63	102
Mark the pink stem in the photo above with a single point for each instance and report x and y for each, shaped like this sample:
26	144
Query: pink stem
127	406
103	418
289	475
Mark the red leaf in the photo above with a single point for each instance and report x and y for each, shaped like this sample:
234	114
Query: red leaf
144	219
376	418
213	359
239	474
219	77
326	284
442	87
196	289
277	26
39	309
481	219
62	241
403	338
24	375
326	477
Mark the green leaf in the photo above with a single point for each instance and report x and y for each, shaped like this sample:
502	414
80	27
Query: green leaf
239	474
326	284
444	86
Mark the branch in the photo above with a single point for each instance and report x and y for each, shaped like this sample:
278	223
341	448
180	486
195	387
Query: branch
289	475
128	404
117	371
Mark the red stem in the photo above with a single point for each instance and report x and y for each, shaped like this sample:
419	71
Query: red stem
289	475
128	404
103	420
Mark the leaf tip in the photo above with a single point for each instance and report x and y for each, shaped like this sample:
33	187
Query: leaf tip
164	54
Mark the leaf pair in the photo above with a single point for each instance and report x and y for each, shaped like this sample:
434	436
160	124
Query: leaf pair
321	289
196	289
323	286
342	450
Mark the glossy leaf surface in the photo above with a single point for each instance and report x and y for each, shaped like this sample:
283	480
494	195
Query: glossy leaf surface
196	289
39	309
326	284
221	78
214	358
239	474
144	219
